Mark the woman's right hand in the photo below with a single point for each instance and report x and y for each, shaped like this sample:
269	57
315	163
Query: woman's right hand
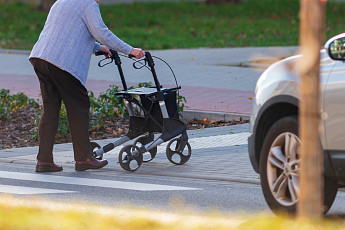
137	53
106	50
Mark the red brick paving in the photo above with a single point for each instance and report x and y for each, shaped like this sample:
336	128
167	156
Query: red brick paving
198	98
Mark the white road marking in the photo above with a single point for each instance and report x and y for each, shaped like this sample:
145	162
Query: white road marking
90	182
21	190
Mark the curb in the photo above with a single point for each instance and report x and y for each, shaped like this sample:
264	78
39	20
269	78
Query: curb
13	51
189	115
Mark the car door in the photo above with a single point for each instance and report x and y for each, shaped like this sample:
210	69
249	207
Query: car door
333	113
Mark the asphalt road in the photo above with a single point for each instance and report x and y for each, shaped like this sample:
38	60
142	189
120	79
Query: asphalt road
172	193
111	188
217	177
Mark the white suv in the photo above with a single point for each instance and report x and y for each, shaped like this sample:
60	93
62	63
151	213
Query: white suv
274	141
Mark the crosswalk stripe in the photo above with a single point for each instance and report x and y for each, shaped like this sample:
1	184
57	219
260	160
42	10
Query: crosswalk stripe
90	182
22	190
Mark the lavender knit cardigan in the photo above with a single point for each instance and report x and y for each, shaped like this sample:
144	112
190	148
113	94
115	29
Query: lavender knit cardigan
69	37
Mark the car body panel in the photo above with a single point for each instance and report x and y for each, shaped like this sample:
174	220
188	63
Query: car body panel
334	108
274	143
254	125
280	84
336	168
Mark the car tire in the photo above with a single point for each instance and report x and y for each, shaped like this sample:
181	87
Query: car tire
279	168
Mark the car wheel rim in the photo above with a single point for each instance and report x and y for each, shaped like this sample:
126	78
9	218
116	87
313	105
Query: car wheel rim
283	168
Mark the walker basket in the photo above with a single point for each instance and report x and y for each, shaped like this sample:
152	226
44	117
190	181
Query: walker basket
155	120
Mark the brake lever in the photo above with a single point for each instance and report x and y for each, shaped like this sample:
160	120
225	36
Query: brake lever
111	60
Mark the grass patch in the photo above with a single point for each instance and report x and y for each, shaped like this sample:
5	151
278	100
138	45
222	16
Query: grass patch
166	25
39	214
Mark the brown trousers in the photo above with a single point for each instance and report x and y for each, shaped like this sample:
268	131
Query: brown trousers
58	85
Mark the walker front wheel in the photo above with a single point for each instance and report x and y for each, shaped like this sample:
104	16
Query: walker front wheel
176	154
141	141
130	158
94	148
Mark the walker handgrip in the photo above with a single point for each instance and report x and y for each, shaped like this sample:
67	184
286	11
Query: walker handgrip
116	57
150	62
99	53
149	59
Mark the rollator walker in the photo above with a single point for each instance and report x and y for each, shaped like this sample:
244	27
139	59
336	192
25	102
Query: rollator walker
160	115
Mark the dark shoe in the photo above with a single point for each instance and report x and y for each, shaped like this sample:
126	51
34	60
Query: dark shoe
90	163
42	166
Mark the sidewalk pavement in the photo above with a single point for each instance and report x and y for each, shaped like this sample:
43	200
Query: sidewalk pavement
217	154
217	84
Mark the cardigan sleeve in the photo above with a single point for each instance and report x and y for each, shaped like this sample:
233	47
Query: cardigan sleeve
96	47
100	31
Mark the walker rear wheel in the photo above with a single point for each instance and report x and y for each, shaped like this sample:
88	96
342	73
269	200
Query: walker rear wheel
130	158
94	147
176	156
141	141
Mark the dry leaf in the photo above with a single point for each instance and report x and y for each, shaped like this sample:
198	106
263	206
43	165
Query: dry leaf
205	121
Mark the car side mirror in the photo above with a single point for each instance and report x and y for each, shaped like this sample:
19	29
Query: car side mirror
335	47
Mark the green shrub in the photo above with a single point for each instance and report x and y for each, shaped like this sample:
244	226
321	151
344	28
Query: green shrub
63	128
10	104
180	104
106	107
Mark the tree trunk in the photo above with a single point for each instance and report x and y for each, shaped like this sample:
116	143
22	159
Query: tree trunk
45	5
311	168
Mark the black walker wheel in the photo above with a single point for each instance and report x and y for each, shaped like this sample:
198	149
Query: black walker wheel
141	141
94	147
178	157
130	158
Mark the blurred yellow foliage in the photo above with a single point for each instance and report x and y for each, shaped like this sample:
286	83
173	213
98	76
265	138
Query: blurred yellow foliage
37	214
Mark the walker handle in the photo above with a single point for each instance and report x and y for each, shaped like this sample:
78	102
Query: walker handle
151	64
115	56
99	53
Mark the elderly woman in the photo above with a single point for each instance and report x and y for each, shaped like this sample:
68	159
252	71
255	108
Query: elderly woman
61	59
